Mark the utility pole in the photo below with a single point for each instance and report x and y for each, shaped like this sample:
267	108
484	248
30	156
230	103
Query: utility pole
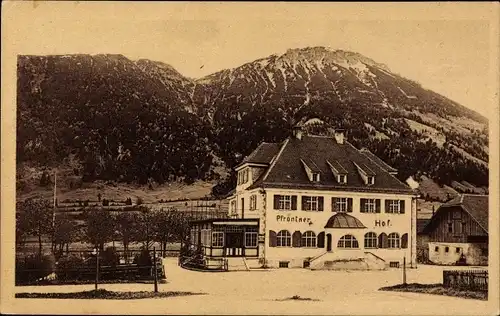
155	270
404	270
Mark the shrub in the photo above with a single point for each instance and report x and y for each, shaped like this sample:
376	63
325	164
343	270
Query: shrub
68	268
110	257
32	268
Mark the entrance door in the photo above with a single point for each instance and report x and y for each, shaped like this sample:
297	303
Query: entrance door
234	244
328	242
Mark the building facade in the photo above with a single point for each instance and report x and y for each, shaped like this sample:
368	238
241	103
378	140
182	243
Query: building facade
458	231
319	200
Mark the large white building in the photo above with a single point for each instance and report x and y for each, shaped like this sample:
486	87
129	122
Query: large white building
314	201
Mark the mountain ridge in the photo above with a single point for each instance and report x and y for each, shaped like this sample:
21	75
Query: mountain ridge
105	107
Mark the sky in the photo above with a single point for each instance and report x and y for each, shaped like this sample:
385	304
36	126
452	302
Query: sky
447	48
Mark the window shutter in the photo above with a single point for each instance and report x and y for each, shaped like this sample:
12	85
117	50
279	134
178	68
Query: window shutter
362	203
276	201
296	239
321	240
404	241
402	207
272	238
320	203
334	204
294	202
377	205
387	204
303	203
349	205
382	240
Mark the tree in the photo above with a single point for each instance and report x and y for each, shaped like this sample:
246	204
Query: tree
66	231
35	219
145	226
127	228
169	226
100	226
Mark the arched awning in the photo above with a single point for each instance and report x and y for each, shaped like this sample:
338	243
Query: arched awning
344	220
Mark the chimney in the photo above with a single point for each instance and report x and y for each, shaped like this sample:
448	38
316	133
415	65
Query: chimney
339	136
298	132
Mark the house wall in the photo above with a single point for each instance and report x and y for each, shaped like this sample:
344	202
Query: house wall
456	216
315	221
474	253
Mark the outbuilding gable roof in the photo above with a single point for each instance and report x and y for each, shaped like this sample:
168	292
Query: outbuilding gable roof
475	205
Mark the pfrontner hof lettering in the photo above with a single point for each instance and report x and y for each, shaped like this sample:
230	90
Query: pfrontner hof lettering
292	219
381	223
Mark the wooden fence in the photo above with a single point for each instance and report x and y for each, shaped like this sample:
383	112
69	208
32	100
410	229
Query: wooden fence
466	279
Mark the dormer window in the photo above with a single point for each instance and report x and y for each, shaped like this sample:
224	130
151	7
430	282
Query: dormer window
342	179
371	180
311	169
366	173
338	170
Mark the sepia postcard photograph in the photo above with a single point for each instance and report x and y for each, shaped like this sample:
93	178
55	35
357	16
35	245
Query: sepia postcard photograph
250	158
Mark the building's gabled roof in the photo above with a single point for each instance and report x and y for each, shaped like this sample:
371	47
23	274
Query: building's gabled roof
475	205
287	170
382	164
263	154
343	220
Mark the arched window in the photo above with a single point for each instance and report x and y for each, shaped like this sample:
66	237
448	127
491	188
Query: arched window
371	240
393	240
309	239
348	241
284	239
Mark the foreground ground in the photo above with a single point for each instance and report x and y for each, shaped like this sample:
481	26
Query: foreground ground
262	292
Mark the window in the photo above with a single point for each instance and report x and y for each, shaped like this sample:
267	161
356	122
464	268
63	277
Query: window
464	228
371	180
285	202
284	239
458	250
341	205
450	227
315	177
253	202
394	264
309	239
218	239
233	207
371	240
342	179
393	240
348	241
251	239
436	249
283	264
457	215
310	203
205	237
393	206
446	249
370	206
